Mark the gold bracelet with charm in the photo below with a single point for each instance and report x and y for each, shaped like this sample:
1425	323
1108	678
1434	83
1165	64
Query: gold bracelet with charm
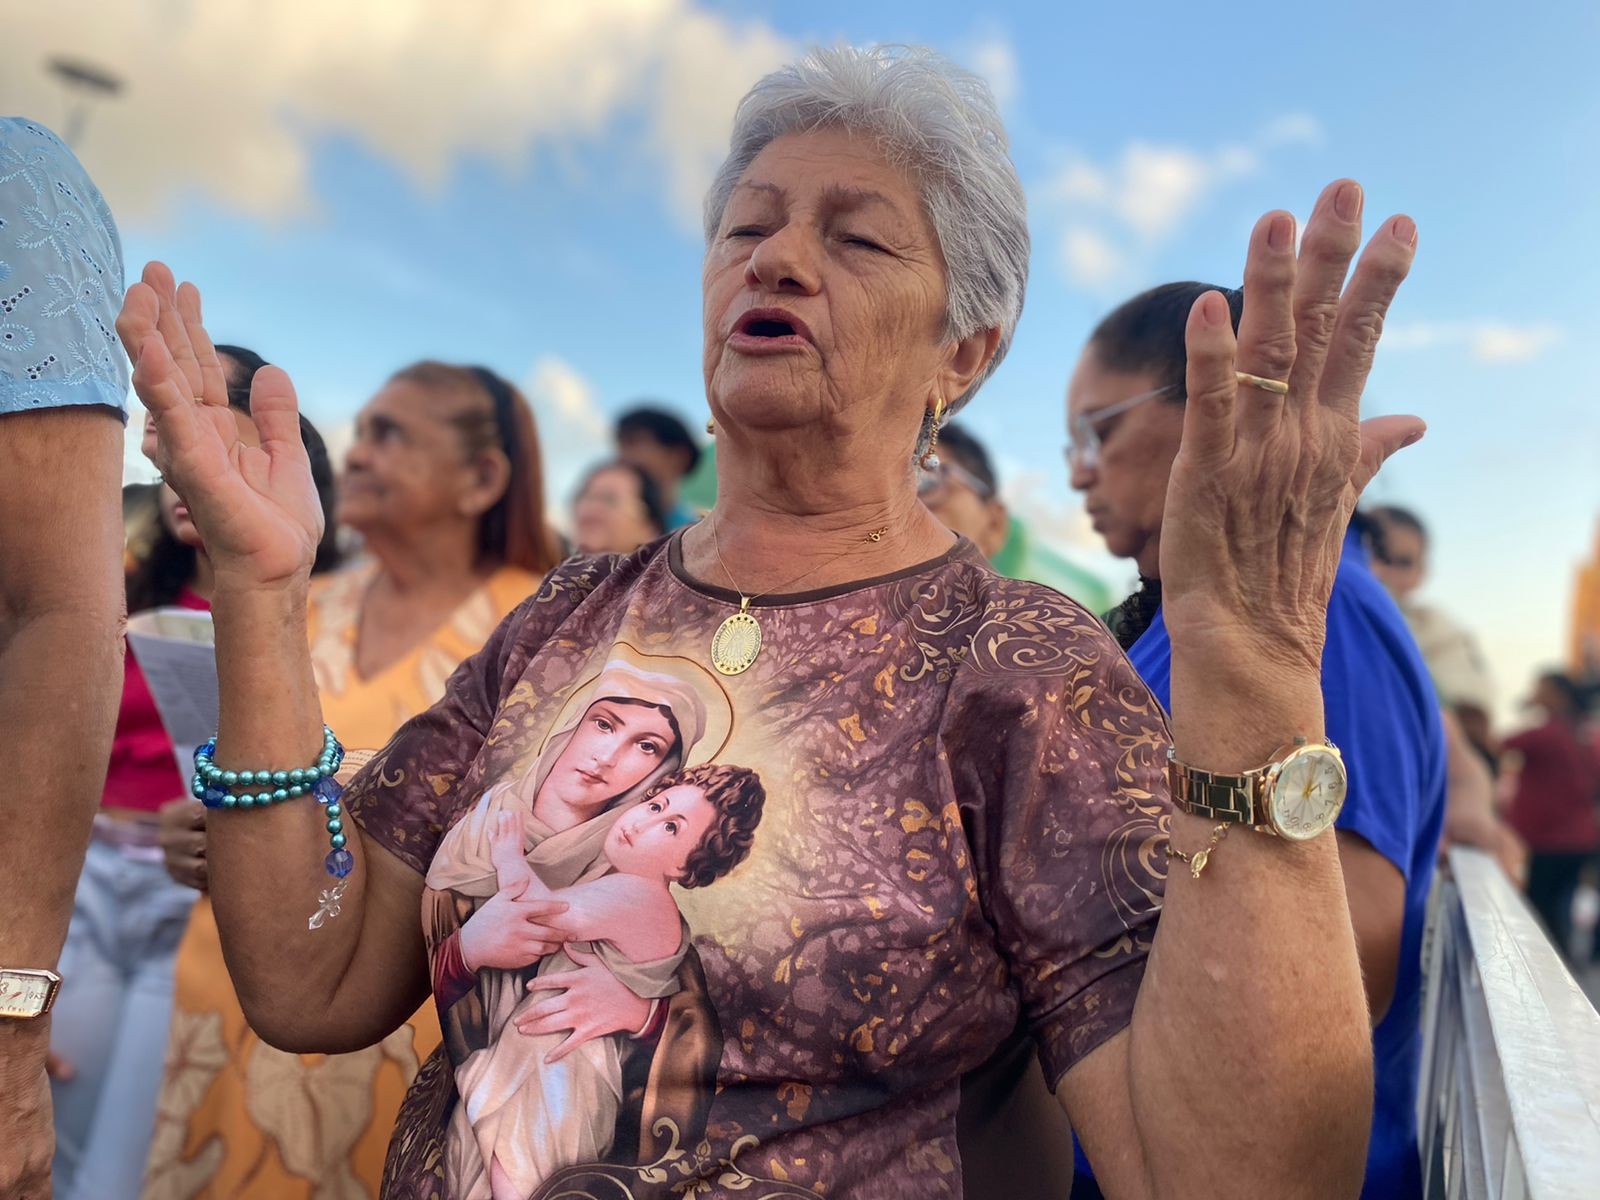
1198	860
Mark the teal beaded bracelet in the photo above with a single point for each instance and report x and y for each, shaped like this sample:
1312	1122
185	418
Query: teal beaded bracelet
216	788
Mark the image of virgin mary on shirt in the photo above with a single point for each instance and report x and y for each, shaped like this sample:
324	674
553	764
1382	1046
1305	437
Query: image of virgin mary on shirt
621	801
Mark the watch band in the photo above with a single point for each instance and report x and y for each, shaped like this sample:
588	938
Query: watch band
1215	796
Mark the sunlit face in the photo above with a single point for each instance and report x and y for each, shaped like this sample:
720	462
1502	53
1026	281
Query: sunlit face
615	747
824	295
609	515
655	837
1404	562
1309	792
1125	490
408	465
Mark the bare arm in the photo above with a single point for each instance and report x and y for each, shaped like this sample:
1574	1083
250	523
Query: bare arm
355	979
1246	1068
61	601
1376	892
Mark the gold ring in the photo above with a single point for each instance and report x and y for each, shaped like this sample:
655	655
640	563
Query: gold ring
1276	387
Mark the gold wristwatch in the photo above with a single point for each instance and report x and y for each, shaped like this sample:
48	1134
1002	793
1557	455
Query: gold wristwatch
1297	795
27	994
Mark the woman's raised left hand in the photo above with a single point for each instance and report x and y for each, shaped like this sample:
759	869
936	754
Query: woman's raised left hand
1264	485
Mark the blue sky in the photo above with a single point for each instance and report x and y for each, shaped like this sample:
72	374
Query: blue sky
361	185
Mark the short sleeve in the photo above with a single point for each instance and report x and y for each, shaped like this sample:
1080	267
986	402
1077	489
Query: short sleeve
1063	748
61	275
1381	710
408	794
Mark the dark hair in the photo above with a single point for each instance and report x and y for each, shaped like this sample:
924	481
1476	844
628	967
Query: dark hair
1381	519
649	491
514	531
664	709
738	796
1145	335
661	427
155	578
969	452
1576	697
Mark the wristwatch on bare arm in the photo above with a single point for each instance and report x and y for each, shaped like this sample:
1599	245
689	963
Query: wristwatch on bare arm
1297	795
26	993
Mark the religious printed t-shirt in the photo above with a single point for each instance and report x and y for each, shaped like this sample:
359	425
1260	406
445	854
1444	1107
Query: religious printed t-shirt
828	885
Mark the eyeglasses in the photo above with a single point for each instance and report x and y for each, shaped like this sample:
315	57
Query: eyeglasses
1083	430
931	482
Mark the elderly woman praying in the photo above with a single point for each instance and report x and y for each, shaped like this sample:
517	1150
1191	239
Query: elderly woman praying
970	802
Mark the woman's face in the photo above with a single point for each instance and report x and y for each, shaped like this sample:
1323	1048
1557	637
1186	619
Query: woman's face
654	839
609	516
1125	486
824	296
616	746
1404	562
408	465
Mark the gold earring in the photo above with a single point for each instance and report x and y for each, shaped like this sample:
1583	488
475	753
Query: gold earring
930	458
711	427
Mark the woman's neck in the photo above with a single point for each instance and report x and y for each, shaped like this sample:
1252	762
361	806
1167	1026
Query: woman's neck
785	520
557	813
426	562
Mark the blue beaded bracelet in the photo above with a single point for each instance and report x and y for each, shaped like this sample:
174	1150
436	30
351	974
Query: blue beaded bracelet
216	788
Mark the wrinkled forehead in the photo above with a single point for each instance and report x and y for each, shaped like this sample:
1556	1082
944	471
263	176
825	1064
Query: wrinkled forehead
834	170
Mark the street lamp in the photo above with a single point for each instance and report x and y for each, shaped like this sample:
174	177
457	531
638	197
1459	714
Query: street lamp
84	82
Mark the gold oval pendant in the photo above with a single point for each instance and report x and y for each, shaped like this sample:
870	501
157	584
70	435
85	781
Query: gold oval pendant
735	644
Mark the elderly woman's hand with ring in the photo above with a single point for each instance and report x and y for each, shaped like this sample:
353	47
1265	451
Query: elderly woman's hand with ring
1264	484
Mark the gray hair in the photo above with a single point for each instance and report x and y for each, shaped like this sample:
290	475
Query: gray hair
936	121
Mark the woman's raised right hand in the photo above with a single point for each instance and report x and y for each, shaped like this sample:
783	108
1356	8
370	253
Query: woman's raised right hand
255	507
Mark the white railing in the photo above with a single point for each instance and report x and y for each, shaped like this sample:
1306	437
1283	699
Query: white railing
1508	1106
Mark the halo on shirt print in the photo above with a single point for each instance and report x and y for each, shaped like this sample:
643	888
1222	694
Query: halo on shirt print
621	803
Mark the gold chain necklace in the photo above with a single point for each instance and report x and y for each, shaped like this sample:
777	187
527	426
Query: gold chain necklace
738	639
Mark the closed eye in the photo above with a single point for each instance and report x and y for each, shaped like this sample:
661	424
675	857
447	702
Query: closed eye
745	231
866	243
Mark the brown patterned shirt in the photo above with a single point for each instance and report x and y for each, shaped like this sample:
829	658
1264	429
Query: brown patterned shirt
957	820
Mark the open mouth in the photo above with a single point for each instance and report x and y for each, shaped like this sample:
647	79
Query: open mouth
770	328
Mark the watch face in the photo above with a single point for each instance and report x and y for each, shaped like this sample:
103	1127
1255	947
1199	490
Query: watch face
25	993
1308	792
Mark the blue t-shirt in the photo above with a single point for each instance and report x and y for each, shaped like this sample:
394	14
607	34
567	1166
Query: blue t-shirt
60	279
1383	714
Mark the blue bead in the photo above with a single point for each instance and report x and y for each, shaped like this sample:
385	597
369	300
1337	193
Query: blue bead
327	790
230	801
297	789
247	777
263	799
335	825
281	778
213	796
205	750
247	801
334	810
339	863
337	841
230	778
196	788
297	775
280	794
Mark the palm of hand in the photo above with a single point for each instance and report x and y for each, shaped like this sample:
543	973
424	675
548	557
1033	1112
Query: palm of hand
255	505
1264	484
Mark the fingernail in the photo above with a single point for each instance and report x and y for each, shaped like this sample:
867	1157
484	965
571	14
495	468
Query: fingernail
1214	308
1405	229
1412	439
1280	234
1347	201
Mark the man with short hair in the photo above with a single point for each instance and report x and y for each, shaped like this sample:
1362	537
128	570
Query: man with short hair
63	403
659	444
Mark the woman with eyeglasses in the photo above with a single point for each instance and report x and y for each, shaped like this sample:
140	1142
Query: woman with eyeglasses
1125	415
444	486
961	490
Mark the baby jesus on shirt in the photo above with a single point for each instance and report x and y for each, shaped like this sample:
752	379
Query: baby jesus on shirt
531	1116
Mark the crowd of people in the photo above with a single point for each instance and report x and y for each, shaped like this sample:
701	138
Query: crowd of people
779	844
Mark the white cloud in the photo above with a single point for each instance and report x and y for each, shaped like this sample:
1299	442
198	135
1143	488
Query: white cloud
1089	256
1116	212
1489	342
227	97
574	431
994	58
